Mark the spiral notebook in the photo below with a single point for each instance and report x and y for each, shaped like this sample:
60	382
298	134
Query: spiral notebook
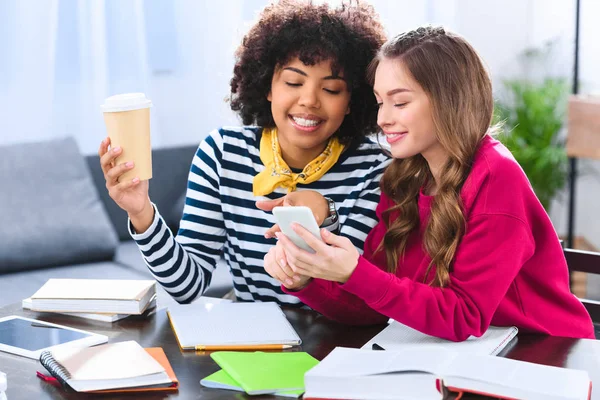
110	367
398	336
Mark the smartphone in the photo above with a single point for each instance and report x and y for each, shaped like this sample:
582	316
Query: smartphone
302	215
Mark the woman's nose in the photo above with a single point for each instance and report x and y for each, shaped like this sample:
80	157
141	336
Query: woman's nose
309	98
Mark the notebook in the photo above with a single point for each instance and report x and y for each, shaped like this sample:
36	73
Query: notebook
150	309
110	296
266	373
222	380
121	365
231	326
416	373
2	382
397	336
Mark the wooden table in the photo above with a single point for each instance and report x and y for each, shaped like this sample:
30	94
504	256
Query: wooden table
319	336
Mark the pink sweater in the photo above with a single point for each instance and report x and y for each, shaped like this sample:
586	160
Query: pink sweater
509	268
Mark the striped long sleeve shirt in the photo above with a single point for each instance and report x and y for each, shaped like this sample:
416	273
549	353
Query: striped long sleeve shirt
221	223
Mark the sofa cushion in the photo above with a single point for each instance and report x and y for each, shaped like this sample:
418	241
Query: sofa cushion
170	169
50	212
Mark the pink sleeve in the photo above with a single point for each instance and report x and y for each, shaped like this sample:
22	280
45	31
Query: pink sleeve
489	257
331	300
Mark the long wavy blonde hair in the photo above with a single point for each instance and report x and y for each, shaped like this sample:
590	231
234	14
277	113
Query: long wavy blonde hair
459	89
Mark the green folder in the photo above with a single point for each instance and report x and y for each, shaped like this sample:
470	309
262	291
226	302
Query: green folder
266	373
222	380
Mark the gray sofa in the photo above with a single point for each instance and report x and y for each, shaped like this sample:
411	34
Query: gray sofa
57	220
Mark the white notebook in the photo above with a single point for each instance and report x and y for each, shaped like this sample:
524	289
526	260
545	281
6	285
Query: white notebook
113	296
2	381
103	317
397	336
109	366
231	324
413	373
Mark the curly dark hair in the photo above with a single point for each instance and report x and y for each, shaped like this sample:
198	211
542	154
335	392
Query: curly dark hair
349	36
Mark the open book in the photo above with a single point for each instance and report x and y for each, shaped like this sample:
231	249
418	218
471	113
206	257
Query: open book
110	296
231	326
417	373
398	336
110	367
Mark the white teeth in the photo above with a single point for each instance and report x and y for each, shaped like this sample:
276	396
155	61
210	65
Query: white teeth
393	135
305	122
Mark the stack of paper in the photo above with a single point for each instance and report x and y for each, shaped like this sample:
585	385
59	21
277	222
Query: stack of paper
422	372
100	299
281	374
123	366
2	386
398	336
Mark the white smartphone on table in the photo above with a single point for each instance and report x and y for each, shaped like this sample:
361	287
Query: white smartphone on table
287	215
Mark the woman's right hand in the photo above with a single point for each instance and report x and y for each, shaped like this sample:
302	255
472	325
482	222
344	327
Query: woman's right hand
130	195
276	265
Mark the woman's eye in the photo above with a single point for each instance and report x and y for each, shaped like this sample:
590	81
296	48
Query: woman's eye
399	105
293	84
333	91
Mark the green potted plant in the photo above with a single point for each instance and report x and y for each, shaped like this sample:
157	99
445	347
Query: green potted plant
533	115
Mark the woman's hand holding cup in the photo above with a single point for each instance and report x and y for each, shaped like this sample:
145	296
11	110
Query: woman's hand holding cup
132	194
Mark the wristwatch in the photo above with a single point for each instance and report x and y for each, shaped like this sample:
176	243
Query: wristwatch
331	223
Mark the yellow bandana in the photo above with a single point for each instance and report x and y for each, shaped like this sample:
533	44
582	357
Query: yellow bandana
277	173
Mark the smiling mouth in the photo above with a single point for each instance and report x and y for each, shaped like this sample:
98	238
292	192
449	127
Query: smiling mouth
307	123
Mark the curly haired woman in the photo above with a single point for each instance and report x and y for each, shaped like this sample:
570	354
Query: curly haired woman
299	80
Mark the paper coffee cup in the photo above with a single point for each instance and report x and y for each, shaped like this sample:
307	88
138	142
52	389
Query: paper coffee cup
127	119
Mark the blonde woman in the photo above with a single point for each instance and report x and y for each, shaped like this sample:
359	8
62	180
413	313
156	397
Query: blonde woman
462	241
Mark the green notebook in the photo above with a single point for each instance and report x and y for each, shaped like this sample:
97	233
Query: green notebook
263	373
222	380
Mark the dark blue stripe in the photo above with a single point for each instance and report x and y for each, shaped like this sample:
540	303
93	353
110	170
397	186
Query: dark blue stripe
245	220
216	207
198	219
159	245
239	168
246	186
237	202
187	268
229	148
197	171
168	272
144	242
203	189
204	236
211	142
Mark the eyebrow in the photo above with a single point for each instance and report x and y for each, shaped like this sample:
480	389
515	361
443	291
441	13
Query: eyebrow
394	91
327	78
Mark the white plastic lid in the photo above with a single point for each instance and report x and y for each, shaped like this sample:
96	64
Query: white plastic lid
126	102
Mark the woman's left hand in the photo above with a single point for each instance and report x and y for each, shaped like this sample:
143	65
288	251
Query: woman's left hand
334	260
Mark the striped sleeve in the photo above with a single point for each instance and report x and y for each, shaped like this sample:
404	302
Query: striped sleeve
361	216
183	265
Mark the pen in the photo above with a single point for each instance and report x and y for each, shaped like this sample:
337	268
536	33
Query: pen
245	347
51	380
377	347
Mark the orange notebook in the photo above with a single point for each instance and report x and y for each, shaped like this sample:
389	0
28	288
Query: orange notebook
116	367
